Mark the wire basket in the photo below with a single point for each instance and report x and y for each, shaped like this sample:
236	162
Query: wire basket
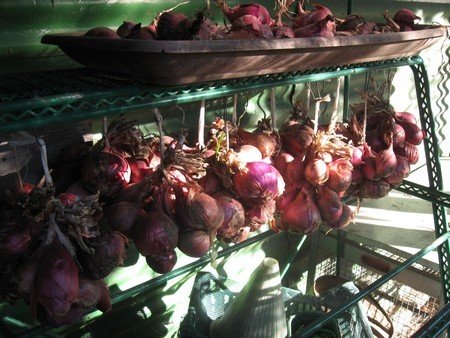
211	296
398	308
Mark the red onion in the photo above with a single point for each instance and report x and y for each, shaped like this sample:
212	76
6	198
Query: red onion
401	171
139	168
198	211
316	171
194	243
104	304
143	33
248	153
105	172
89	292
301	216
121	216
385	162
260	214
56	282
357	175
288	196
405	117
329	204
373	189
72	316
265	142
406	19
27	273
340	174
410	152
16	235
398	135
155	233
210	183
162	263
357	155
233	221
295	172
283	32
413	133
257	182
346	217
171	26
369	170
306	18
77	189
296	138
281	161
102	32
110	252
127	28
324	28
253	9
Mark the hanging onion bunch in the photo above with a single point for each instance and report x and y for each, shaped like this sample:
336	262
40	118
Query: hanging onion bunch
387	148
318	176
245	172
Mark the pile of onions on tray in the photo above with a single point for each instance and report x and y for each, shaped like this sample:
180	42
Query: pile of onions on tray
385	149
254	21
317	170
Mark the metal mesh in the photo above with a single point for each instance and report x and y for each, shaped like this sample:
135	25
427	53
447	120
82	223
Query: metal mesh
407	308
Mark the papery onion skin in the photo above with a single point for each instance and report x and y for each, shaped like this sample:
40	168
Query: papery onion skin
162	263
155	233
249	153
194	243
257	182
125	28
409	151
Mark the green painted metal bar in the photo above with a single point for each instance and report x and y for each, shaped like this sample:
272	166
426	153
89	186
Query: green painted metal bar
434	171
294	253
435	326
152	98
425	193
317	324
160	280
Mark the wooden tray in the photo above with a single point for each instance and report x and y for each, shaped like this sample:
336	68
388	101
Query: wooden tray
184	62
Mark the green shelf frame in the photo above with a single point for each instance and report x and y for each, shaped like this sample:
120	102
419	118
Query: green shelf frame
35	100
48	98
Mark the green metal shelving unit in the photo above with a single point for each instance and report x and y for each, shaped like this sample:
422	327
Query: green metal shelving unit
35	100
